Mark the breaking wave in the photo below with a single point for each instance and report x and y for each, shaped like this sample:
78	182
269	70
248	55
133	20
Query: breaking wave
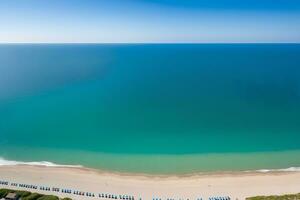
4	162
290	169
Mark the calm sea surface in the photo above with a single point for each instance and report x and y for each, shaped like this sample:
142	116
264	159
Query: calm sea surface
152	108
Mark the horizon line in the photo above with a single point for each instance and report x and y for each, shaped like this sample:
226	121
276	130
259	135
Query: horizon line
1	43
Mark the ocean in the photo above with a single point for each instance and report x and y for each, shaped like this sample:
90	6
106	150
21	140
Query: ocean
151	108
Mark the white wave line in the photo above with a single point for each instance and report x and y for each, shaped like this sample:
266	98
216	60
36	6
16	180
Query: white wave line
4	162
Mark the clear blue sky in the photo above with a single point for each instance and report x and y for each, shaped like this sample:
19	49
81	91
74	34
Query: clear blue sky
150	21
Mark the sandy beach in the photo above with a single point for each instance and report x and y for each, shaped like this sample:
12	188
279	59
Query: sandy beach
235	185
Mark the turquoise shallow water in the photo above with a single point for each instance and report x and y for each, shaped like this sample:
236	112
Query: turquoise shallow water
152	108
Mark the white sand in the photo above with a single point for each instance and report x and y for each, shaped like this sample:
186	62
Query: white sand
237	186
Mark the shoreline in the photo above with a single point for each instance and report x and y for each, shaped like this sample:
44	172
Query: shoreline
48	164
162	176
233	184
155	164
173	175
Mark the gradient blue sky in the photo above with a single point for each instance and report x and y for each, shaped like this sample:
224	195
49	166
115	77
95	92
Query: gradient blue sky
109	21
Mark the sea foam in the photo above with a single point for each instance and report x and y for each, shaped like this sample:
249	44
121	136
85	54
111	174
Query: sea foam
290	169
4	162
